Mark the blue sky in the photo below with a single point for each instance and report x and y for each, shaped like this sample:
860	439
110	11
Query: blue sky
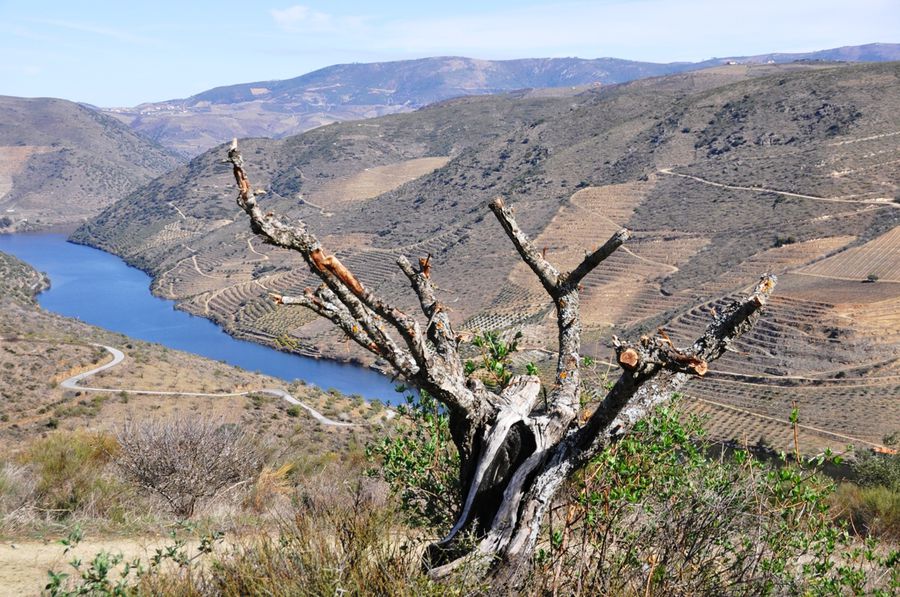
124	53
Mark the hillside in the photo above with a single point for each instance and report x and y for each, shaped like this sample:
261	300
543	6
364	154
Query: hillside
19	282
61	163
40	349
353	91
44	421
722	174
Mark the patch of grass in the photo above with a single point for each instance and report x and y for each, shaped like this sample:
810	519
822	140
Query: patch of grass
871	511
69	467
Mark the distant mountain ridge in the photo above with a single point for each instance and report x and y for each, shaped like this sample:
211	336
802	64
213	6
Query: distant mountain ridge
360	90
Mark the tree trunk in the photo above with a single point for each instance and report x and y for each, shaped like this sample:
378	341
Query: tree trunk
516	451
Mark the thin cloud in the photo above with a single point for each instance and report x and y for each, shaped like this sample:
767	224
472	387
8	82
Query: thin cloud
25	70
303	19
25	33
116	34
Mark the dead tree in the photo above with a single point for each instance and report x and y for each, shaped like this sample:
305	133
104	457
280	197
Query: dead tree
515	451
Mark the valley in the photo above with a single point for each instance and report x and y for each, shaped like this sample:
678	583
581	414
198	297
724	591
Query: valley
722	174
60	373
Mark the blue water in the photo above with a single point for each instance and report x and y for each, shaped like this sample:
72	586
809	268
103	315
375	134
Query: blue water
100	289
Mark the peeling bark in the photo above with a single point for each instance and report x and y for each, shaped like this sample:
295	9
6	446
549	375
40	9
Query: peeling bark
516	452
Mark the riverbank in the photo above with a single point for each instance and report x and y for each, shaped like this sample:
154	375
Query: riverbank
102	290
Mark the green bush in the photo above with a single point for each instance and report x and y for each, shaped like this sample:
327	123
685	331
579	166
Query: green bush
420	463
872	506
874	470
657	514
495	358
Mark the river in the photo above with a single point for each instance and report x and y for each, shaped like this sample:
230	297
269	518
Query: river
101	289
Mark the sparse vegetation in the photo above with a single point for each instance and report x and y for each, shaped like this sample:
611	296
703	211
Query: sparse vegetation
871	505
658	513
53	147
186	461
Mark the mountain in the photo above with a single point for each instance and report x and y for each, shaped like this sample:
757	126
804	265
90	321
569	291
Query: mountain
722	174
354	91
61	163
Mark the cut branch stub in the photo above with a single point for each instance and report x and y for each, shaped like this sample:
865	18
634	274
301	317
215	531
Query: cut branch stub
332	264
628	358
659	353
425	266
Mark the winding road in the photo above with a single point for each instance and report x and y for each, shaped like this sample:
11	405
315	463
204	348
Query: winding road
881	202
118	356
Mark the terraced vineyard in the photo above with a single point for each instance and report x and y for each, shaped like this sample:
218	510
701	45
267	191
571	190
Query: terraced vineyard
721	175
802	354
879	258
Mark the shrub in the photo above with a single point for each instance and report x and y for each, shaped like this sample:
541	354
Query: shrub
420	463
872	507
870	511
655	514
186	461
872	469
495	358
345	543
16	488
782	241
98	575
69	466
270	484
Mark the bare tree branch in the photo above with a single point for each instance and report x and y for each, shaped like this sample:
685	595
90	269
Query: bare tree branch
363	305
543	269
439	328
594	259
326	305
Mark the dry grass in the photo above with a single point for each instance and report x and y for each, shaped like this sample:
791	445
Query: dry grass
372	182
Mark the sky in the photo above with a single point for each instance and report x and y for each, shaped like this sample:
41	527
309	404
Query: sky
126	53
